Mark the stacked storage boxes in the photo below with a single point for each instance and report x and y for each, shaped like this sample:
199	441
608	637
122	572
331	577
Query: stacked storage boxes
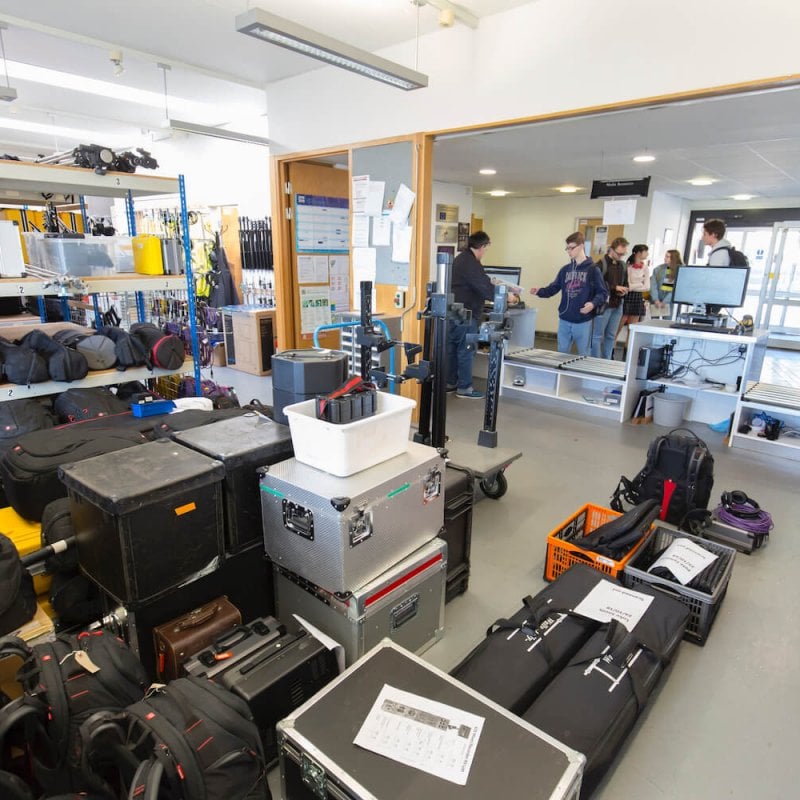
355	553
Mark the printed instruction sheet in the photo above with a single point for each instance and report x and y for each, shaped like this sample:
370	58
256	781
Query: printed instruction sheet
608	601
421	733
684	559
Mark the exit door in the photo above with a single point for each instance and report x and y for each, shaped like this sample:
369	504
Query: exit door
779	300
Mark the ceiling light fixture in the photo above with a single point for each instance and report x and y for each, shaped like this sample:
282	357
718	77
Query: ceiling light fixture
701	181
498	193
283	33
488	171
7	93
742	196
45	129
568	189
217	133
644	158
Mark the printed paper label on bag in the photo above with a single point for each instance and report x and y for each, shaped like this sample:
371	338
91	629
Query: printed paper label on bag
421	733
608	601
685	560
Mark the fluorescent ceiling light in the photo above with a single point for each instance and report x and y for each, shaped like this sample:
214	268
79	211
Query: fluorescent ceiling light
742	196
488	171
116	91
498	193
568	189
218	133
46	129
701	182
276	30
644	158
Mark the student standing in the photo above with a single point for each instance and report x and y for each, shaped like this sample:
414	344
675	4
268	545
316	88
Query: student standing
661	284
633	308
615	274
582	291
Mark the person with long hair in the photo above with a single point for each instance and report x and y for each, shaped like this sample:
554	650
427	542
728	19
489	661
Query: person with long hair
661	283
633	308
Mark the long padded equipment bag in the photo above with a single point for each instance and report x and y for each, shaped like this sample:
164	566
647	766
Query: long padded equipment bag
63	364
522	654
21	365
98	350
166	351
129	350
29	469
188	740
678	473
615	538
66	682
77	404
594	702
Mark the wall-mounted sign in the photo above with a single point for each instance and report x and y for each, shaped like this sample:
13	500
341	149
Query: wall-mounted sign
634	188
446	213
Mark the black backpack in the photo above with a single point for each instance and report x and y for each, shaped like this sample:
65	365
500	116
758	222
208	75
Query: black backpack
21	365
98	350
737	257
17	598
678	473
66	682
23	416
189	740
63	364
77	404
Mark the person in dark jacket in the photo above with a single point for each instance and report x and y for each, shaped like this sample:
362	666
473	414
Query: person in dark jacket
582	291
471	286
615	274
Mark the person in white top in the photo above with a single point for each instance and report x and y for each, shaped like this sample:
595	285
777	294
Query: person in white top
633	307
714	237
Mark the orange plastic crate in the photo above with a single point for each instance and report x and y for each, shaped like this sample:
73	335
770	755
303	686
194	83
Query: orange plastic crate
563	544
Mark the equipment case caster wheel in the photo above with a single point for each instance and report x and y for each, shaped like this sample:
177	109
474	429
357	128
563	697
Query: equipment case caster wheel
494	486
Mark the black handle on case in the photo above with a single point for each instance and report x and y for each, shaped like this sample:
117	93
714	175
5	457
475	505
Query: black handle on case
231	637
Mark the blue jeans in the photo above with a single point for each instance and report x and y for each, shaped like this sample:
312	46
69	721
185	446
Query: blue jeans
459	358
578	332
604	332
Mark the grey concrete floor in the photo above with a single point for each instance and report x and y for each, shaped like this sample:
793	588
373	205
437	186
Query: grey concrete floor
723	723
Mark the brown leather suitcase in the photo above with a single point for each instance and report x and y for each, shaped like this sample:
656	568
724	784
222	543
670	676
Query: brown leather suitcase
179	639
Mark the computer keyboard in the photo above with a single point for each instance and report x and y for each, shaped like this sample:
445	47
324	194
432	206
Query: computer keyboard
685	326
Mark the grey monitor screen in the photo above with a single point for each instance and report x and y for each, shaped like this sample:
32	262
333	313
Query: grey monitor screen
715	286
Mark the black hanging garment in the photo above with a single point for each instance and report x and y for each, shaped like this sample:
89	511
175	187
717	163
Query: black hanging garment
223	290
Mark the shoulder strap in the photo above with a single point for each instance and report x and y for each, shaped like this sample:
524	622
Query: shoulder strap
56	697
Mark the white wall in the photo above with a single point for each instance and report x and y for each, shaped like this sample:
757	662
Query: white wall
666	212
543	57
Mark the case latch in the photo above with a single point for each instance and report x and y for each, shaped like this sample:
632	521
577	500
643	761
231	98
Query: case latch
360	526
298	519
432	485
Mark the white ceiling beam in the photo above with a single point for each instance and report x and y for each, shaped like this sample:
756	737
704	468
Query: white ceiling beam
155	58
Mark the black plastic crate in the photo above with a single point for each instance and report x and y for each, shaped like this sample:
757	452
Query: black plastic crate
459	498
148	520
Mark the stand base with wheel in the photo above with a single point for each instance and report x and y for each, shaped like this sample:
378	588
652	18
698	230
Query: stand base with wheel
488	464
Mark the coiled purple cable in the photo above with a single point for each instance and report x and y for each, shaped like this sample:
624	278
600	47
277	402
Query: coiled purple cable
762	523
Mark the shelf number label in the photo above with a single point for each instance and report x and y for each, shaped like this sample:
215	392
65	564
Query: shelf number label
10	392
21	289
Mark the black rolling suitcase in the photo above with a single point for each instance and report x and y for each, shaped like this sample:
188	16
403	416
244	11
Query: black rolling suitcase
521	655
459	497
273	670
594	702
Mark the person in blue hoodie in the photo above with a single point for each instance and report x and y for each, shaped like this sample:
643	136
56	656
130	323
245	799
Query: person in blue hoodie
583	296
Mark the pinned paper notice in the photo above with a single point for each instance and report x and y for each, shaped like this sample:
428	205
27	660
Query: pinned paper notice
608	601
685	560
421	733
619	212
403	201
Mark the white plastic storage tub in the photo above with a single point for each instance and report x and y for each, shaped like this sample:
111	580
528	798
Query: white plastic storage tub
343	450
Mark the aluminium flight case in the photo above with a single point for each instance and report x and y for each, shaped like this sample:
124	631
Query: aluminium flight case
147	521
340	533
319	760
242	444
274	670
406	603
459	499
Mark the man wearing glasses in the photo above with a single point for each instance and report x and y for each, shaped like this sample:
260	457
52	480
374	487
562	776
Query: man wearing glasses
615	273
583	290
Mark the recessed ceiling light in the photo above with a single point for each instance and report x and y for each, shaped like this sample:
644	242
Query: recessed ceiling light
498	193
644	158
701	182
488	171
568	189
742	196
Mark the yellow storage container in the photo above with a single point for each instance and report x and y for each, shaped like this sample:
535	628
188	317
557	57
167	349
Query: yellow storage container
147	259
27	536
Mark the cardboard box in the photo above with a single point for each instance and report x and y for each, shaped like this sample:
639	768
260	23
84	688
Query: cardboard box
249	338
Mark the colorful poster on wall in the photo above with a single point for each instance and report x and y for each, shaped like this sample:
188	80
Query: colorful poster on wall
463	235
315	307
446	213
322	224
339	268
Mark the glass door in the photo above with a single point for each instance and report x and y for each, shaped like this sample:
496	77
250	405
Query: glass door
779	297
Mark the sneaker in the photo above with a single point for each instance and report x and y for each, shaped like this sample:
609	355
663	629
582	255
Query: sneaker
470	394
451	388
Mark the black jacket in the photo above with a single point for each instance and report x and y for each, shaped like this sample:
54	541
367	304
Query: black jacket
470	284
615	273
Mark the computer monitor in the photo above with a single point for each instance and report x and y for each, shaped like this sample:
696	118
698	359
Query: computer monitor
710	286
511	275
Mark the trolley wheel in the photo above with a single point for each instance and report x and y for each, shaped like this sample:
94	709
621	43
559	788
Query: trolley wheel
494	486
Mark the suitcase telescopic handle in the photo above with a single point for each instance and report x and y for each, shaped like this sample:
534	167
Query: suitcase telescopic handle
231	637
